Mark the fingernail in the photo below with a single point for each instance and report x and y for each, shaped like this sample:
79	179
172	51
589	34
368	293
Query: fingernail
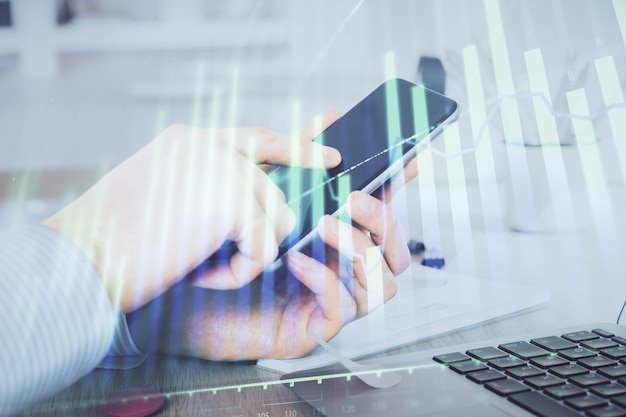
326	227
364	203
298	260
332	155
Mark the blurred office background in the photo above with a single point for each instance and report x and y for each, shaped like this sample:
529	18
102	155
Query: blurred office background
85	83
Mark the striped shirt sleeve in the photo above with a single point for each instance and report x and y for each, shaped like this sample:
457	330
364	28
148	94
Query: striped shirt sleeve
123	353
56	318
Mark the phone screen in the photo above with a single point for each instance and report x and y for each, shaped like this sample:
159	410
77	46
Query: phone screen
376	138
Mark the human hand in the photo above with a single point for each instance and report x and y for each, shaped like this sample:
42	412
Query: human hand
159	214
371	251
271	316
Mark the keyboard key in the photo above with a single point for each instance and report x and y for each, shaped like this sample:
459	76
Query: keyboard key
482	377
541	405
566	371
504	363
609	390
615	353
468	366
620	340
449	358
613	372
523	350
545	381
578	337
596	362
577	353
603	333
561	392
598	344
621	400
589	380
585	402
586	371
486	353
549	361
607	411
522	372
553	343
506	387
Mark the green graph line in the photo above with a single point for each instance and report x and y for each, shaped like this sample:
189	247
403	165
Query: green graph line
263	385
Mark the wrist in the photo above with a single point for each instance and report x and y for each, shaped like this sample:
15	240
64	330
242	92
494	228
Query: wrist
79	237
88	238
160	325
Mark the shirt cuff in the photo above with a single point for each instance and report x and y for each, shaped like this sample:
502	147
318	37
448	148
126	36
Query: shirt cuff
123	353
57	320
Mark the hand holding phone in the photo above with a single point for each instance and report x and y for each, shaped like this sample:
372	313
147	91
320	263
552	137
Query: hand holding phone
376	138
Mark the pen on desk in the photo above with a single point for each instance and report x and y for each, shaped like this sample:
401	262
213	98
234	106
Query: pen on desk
418	248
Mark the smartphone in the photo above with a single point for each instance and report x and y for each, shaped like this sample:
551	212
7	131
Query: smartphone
376	138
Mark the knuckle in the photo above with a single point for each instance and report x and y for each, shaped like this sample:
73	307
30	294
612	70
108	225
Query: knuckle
268	143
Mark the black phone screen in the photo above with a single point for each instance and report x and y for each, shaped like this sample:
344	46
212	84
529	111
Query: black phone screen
380	132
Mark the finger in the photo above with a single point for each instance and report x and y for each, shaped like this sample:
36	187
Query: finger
253	255
265	146
254	236
336	305
260	220
388	190
377	218
318	125
310	150
268	147
375	283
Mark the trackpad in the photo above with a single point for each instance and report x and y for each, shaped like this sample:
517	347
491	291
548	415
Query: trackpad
429	389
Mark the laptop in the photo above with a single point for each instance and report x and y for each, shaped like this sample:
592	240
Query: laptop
574	371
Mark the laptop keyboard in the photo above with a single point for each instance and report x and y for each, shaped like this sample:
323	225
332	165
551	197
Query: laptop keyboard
580	373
